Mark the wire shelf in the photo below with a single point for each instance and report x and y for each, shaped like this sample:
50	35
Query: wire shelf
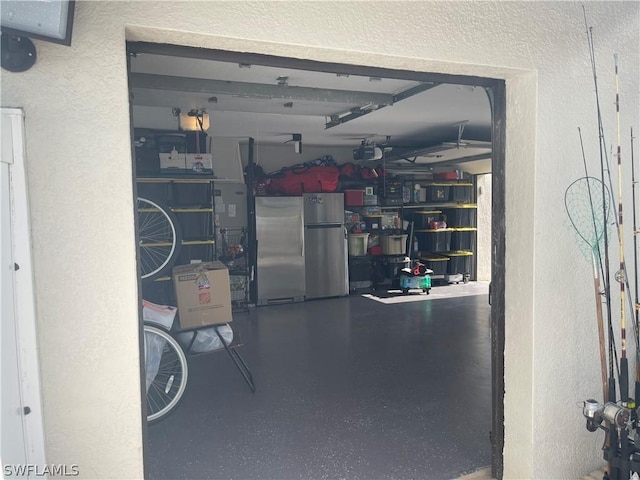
233	247
233	252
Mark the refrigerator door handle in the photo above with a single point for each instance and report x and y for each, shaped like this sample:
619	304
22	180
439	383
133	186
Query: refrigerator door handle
324	225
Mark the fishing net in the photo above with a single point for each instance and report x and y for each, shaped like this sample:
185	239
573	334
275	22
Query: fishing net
588	205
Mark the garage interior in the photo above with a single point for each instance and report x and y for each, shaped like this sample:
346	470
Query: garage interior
377	382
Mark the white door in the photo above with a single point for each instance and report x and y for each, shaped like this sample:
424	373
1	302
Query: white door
22	439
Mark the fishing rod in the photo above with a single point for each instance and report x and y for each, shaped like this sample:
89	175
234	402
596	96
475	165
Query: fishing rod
604	155
621	448
623	380
635	264
611	394
595	253
592	410
604	161
623	277
624	364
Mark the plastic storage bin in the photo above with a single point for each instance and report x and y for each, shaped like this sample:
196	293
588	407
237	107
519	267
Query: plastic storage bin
437	263
461	217
358	244
422	218
462	240
394	244
437	193
390	192
354	198
370	199
435	241
461	194
373	222
459	262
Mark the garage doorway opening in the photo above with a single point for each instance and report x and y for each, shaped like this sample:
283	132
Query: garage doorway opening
407	152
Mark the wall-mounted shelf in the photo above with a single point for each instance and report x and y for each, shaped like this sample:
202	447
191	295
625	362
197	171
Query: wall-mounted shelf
431	205
441	183
176	179
191	210
448	229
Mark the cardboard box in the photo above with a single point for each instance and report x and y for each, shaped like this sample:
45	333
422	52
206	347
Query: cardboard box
199	163
175	162
203	294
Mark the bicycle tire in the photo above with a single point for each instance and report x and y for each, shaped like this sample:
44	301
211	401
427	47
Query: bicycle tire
159	238
168	385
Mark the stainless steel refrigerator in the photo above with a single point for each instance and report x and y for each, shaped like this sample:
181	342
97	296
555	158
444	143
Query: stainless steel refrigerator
280	245
325	245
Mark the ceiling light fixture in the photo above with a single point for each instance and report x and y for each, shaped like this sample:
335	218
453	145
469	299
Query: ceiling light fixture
296	138
196	119
297	142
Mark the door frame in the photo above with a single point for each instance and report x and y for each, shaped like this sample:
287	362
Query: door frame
496	91
20	277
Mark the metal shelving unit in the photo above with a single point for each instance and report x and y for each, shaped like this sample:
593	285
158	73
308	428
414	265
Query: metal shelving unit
190	198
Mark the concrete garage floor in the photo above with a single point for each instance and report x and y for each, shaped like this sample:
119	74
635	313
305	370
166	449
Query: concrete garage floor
389	387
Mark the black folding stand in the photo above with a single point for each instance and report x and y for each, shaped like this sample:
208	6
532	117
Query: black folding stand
231	349
238	360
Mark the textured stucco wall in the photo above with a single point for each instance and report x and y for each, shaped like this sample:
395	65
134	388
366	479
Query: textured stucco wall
79	171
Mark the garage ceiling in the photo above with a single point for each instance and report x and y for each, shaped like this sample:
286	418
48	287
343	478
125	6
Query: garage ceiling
415	123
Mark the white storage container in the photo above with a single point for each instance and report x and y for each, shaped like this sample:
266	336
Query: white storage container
394	244
358	244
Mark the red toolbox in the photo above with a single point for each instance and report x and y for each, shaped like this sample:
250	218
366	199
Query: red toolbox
354	198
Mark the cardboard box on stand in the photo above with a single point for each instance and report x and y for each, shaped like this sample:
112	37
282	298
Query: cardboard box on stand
203	294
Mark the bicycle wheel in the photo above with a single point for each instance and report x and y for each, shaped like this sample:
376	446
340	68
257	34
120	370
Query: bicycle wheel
159	238
167	372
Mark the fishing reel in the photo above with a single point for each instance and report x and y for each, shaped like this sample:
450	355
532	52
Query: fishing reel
613	413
